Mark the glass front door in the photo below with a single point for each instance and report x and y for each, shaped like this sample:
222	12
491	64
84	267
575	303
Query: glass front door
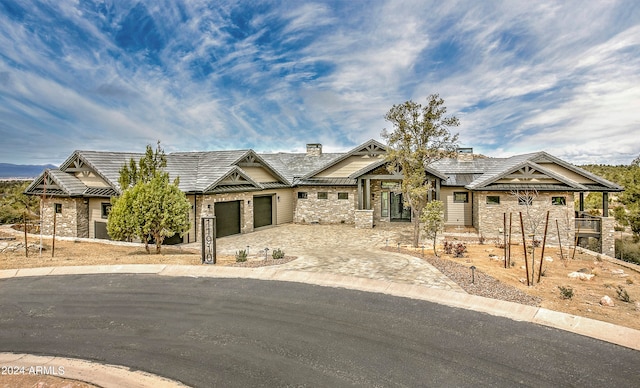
399	213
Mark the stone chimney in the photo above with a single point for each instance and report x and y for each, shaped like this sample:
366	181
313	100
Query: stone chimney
465	154
314	149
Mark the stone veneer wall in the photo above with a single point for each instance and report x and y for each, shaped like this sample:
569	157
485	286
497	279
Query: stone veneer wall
490	218
66	222
82	214
364	219
608	239
246	212
325	211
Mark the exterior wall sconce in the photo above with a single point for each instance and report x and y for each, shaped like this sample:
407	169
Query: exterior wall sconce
249	202
278	198
209	206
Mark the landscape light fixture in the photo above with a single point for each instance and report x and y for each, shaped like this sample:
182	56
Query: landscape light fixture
473	274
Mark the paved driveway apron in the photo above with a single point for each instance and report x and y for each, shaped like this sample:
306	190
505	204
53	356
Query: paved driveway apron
343	250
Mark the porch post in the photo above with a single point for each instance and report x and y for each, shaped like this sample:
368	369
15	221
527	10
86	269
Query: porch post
581	207
605	204
430	192
367	193
437	189
359	193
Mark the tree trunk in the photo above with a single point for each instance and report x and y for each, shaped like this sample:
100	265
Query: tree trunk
435	237
416	228
159	239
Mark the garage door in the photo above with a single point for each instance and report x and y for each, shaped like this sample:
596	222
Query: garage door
227	218
262	211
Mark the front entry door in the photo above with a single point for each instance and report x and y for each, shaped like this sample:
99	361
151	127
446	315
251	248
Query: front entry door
399	213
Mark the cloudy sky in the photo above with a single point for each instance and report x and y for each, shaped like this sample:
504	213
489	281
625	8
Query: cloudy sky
522	76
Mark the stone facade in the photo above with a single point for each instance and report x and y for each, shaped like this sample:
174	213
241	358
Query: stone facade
364	219
489	217
82	218
329	210
66	220
246	212
608	239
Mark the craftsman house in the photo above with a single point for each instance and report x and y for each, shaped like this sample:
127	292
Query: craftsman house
246	190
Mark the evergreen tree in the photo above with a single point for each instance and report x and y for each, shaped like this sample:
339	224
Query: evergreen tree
150	207
420	137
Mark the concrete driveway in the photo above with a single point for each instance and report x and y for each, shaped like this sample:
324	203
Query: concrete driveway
343	250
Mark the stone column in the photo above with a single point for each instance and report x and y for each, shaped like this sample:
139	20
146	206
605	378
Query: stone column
607	236
364	219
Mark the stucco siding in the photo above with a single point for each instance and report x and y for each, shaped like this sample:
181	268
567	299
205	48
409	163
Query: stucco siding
260	174
567	173
91	180
284	206
457	213
95	214
348	166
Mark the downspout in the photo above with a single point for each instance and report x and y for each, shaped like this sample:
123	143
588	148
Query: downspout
195	217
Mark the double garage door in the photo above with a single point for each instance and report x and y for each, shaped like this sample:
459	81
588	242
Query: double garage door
228	215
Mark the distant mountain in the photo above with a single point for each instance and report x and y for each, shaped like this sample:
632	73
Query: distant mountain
22	171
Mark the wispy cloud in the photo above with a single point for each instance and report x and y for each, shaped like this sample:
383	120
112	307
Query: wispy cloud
522	76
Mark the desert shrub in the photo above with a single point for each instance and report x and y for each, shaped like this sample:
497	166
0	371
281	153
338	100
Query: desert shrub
481	239
623	295
277	254
566	292
241	256
593	244
628	250
455	249
629	281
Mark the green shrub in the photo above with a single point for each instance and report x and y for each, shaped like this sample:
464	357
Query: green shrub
566	292
277	254
241	256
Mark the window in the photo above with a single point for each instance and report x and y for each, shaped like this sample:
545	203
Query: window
460	197
57	208
559	201
493	200
343	195
106	209
384	204
525	200
323	195
302	195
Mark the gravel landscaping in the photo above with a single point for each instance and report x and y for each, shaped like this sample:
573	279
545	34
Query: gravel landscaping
482	285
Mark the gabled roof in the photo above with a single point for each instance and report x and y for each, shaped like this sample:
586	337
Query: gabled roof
106	165
295	166
528	162
222	171
233	176
371	148
383	162
61	184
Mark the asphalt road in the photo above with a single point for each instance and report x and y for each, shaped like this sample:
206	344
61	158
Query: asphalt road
229	332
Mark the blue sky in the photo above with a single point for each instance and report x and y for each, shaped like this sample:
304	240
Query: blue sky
522	76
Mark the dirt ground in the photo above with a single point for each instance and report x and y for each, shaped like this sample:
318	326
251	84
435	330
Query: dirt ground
586	293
